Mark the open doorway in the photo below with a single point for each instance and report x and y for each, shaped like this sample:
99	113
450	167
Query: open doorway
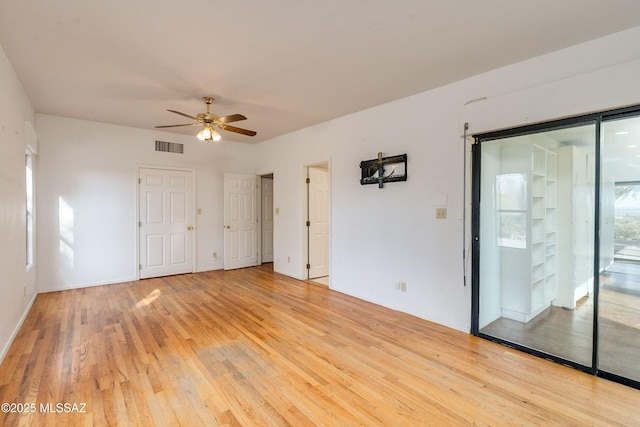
266	216
318	223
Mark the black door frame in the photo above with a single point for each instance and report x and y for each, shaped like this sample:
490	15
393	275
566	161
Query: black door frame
592	118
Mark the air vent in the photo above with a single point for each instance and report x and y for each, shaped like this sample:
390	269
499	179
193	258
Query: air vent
169	147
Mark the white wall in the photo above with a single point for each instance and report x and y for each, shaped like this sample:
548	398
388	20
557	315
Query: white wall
383	236
379	236
87	198
17	286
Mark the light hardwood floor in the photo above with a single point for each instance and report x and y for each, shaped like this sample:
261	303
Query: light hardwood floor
252	347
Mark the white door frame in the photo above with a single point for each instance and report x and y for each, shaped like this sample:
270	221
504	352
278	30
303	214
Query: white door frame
305	216
259	213
193	210
259	217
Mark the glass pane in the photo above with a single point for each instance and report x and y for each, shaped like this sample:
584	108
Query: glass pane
619	293
511	191
513	229
536	248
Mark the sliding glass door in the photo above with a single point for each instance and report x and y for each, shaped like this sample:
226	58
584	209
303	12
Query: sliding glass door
619	291
556	268
536	228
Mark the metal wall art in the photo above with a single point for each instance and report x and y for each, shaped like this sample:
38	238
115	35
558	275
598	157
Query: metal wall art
384	169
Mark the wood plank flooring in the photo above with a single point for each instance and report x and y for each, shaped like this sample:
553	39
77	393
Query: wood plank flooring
569	333
252	347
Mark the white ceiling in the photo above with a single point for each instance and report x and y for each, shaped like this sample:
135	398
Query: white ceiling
284	64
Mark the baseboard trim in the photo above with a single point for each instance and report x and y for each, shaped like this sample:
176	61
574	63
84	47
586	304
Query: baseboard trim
7	346
88	285
443	322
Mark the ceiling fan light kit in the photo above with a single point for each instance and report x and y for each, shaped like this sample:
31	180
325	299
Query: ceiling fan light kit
210	121
208	133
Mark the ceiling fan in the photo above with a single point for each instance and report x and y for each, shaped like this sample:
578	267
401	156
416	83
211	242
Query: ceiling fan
210	122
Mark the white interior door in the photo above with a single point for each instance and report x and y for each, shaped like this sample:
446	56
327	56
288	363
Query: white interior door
240	221
318	222
165	218
267	219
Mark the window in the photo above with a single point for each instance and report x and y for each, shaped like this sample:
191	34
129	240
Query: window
29	208
511	189
626	230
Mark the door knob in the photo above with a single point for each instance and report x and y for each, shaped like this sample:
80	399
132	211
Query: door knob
189	228
227	227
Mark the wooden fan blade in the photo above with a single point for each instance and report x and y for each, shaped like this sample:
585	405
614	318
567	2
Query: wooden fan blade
231	118
183	114
175	126
238	130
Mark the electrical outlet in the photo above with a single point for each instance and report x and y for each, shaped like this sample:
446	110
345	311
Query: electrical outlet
215	256
289	260
441	213
401	286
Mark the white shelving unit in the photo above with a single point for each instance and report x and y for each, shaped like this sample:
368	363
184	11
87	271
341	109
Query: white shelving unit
551	222
533	282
